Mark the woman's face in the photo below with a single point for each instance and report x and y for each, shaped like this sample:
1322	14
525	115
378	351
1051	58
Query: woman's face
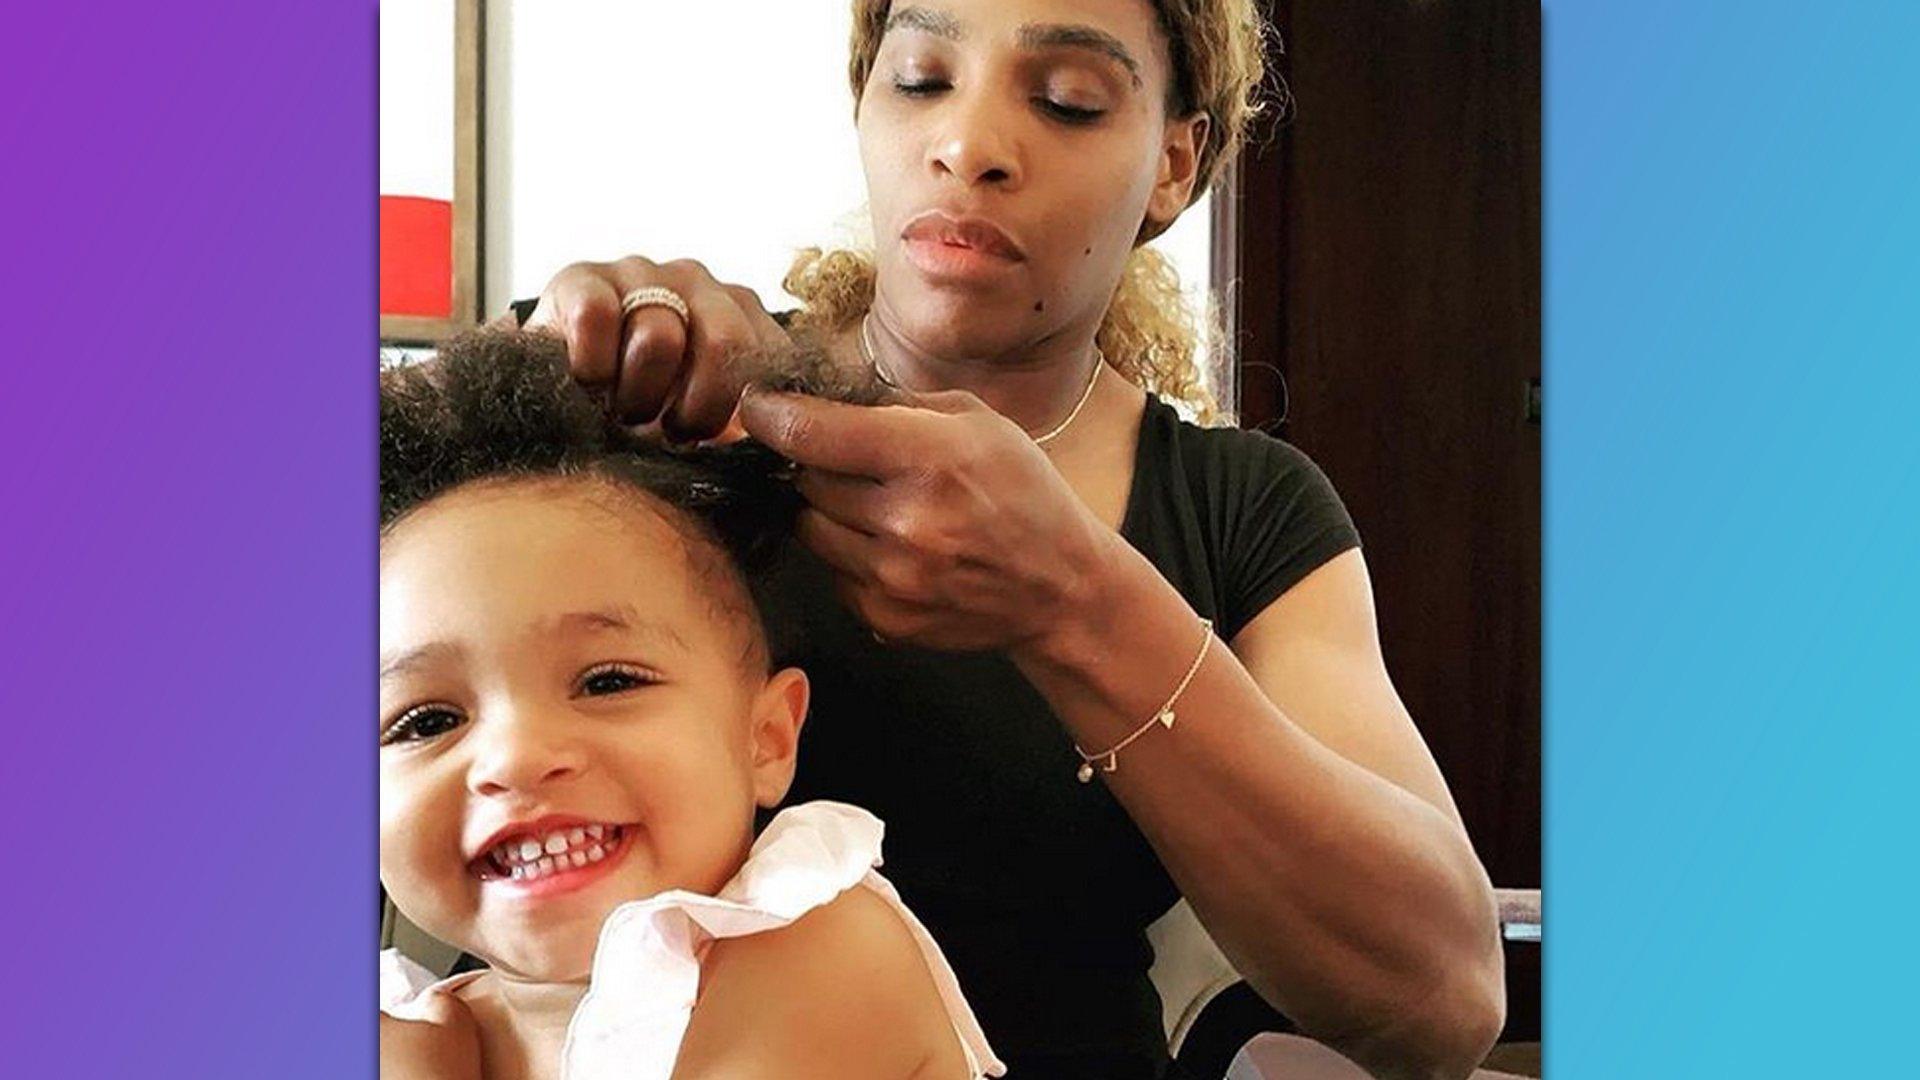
1013	149
566	722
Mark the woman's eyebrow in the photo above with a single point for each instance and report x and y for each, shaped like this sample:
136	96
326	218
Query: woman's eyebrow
942	25
938	23
1055	35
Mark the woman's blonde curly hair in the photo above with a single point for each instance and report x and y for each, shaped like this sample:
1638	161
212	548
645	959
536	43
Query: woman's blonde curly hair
1151	334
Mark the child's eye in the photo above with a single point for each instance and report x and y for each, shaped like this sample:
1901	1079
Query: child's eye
603	679
422	722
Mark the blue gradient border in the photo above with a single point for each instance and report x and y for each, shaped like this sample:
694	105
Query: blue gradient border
1732	518
187	564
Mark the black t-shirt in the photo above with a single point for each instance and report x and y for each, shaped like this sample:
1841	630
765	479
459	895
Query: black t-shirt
1040	888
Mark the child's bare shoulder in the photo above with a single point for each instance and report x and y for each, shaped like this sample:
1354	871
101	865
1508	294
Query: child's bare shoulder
856	930
845	986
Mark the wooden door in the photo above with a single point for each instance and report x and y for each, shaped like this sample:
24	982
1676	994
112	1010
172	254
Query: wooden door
1387	243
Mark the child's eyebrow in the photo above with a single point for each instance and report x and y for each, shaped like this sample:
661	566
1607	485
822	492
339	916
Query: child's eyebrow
620	618
405	663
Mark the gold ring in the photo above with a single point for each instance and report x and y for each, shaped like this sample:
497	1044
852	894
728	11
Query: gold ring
653	296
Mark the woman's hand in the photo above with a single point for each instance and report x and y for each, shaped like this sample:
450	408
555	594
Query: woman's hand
443	1045
949	528
654	366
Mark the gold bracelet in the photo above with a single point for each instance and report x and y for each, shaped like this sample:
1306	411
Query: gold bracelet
1164	716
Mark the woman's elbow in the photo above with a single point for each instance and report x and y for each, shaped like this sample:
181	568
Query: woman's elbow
1447	1035
1466	1028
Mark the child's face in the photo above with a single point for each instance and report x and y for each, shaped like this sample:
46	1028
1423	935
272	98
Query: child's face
566	721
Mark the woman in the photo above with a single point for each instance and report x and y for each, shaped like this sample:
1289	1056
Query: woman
1087	658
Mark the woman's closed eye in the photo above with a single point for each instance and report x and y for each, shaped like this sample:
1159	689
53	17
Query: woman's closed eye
1063	111
1066	112
418	723
1069	95
919	85
602	680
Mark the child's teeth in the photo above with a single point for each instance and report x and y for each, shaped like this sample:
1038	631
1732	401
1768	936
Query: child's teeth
532	857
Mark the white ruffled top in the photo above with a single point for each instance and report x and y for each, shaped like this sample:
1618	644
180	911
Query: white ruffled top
646	967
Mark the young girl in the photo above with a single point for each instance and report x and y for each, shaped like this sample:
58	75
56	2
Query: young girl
581	712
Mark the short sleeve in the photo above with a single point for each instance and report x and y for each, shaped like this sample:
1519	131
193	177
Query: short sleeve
1281	521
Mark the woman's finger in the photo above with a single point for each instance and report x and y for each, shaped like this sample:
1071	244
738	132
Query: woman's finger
720	330
854	501
653	343
951	402
770	333
856	440
653	359
875	563
770	336
890	618
849	551
582	305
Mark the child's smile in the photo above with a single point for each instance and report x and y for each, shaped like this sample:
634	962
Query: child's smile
555	854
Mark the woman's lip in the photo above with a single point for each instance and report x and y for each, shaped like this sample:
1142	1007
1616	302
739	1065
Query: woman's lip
963	231
572	879
954	264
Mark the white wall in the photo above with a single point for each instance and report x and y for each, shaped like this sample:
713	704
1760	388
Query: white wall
416	126
721	131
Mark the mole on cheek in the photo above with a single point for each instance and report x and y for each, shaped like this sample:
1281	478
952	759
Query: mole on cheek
1089	251
1039	305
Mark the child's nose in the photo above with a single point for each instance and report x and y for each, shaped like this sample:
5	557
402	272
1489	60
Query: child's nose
524	754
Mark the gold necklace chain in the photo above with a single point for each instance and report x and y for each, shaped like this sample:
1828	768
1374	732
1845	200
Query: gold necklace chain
872	358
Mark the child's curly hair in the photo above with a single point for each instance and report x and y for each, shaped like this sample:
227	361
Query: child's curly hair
499	405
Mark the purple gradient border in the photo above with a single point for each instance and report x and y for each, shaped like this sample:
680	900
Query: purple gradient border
186	445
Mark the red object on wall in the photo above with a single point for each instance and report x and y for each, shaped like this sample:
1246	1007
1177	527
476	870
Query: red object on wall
416	256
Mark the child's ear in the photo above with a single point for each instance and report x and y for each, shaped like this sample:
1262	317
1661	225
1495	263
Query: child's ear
778	711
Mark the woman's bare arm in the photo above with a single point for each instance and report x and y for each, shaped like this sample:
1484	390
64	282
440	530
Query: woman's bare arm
1297	808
